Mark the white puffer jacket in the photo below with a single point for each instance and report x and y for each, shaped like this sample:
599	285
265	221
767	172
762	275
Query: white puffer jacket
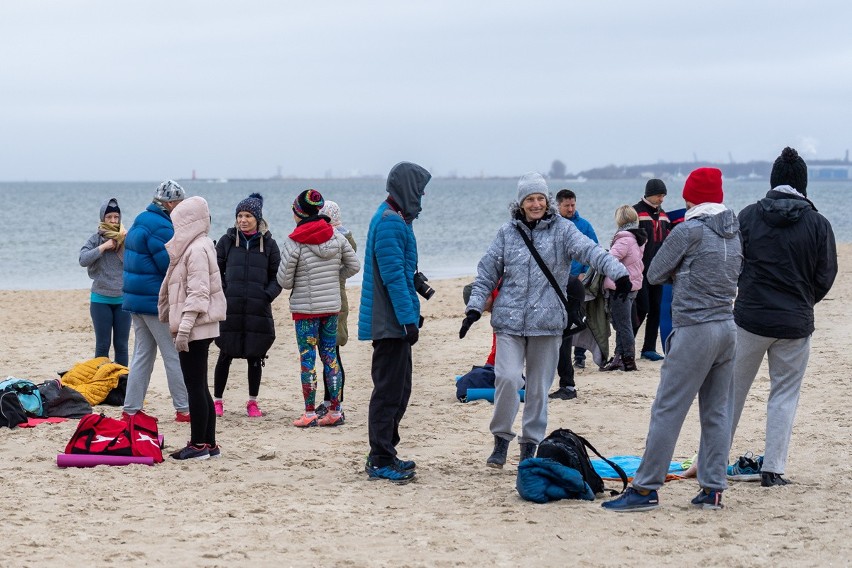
314	258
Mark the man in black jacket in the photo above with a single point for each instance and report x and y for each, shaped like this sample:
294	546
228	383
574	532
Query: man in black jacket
656	224
790	262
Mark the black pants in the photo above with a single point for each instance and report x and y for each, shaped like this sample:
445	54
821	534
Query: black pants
391	372
564	367
223	367
193	364
327	396
648	302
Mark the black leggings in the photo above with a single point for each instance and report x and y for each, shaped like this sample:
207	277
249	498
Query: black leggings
193	364
223	367
647	304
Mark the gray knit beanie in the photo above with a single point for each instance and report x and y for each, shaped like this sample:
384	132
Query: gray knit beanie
530	183
169	191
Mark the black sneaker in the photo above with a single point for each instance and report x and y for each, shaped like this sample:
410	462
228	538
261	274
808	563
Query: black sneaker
214	451
708	499
321	410
191	452
769	479
579	364
564	393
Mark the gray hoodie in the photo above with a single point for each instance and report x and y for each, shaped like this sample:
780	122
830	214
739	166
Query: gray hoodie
702	258
107	269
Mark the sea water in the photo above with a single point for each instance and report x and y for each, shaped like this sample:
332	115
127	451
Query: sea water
45	224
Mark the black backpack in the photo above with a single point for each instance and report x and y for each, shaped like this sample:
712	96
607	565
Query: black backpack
12	412
569	449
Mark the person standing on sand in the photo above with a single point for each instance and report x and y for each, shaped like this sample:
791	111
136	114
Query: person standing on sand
192	304
103	257
656	224
248	259
145	264
627	246
790	263
332	211
313	260
528	316
389	316
702	258
566	203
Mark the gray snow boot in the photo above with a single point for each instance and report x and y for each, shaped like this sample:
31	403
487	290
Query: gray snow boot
498	456
527	450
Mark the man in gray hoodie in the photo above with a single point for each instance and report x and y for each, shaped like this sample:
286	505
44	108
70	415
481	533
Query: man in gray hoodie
702	258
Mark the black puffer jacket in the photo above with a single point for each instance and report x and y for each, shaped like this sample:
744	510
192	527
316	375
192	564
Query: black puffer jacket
789	264
249	279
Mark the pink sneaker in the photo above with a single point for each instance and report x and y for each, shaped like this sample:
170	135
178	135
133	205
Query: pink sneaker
219	407
252	410
182	417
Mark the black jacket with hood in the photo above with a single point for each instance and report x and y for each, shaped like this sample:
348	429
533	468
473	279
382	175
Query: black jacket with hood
790	262
249	269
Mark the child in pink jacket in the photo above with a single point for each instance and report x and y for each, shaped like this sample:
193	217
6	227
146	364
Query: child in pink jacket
627	246
193	304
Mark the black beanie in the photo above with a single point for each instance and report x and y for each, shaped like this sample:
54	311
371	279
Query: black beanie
790	169
655	187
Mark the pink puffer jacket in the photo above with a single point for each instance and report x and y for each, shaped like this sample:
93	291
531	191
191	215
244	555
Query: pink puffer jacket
627	250
192	282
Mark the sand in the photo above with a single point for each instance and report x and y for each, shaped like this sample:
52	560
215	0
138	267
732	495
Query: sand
281	496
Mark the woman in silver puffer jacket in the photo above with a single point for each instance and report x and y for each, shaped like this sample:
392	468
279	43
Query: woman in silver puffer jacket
528	316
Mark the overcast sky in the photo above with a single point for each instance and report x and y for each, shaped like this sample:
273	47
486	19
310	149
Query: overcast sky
133	90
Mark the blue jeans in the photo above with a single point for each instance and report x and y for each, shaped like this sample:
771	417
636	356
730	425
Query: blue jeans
112	324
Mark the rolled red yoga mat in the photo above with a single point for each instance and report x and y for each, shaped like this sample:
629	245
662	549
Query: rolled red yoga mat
91	460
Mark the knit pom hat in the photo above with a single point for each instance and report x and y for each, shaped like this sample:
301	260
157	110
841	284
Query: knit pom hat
252	204
308	204
332	211
703	185
790	169
530	183
169	191
655	187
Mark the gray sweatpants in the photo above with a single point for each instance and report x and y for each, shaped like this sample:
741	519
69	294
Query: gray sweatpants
699	360
788	359
151	334
540	354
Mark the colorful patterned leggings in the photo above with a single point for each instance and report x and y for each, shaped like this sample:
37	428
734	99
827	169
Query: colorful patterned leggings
310	334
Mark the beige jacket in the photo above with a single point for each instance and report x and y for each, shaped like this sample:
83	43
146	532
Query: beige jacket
192	289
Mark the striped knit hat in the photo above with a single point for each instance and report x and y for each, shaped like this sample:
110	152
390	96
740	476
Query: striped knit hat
308	204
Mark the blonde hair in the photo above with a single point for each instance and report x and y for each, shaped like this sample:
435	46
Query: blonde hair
625	214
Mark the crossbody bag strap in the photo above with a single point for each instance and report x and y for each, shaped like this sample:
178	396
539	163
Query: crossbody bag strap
547	273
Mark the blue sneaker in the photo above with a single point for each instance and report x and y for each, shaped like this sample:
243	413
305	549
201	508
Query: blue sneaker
711	500
652	356
404	465
390	472
631	500
746	468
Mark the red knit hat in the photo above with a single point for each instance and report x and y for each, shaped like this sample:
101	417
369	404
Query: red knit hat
703	185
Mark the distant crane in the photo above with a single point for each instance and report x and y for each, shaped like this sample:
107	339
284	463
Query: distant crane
731	157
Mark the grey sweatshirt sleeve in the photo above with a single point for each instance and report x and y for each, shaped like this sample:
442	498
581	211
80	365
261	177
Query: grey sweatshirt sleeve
89	253
670	255
587	251
488	273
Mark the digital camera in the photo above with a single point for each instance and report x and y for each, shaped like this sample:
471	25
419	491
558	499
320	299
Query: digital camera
422	287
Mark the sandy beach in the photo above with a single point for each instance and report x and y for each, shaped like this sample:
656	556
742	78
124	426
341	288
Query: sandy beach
281	496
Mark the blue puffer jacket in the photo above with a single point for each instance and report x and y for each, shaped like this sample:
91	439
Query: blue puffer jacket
586	228
388	298
541	480
146	260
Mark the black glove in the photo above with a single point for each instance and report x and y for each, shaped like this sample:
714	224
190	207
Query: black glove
469	319
412	334
623	287
420	323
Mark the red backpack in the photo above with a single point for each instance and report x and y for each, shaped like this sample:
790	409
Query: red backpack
136	435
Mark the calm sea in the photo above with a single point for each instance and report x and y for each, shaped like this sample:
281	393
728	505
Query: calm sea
47	223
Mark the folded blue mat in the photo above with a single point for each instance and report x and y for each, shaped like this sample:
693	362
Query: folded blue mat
629	464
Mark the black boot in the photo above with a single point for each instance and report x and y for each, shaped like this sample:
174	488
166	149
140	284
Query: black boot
629	363
614	364
527	450
498	456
